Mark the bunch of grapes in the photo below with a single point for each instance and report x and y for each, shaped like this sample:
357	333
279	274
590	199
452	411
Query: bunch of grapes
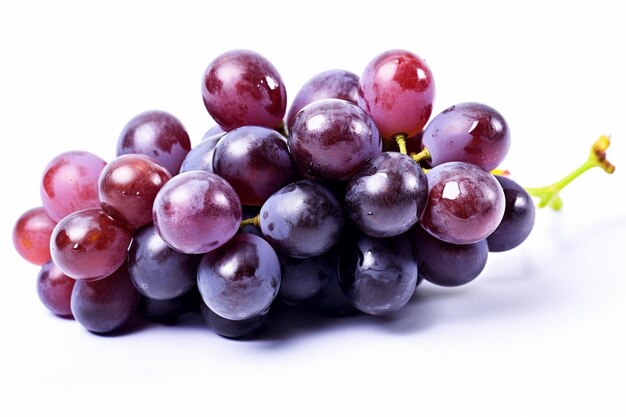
345	206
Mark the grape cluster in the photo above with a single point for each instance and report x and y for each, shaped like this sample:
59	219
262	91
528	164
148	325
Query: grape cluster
348	212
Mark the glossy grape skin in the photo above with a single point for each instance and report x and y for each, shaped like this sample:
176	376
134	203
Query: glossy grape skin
387	195
232	329
330	139
378	276
89	245
70	183
196	212
339	84
242	88
200	157
31	235
128	186
302	220
55	289
158	271
255	161
107	304
157	134
304	278
465	203
214	133
397	89
518	220
446	264
468	132
240	280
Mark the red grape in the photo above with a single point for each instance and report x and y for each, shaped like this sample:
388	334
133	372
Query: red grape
55	289
31	235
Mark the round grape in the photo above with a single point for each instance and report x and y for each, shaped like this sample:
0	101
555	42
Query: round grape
31	235
55	289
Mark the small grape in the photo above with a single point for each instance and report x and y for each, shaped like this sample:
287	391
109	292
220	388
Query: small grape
31	235
55	289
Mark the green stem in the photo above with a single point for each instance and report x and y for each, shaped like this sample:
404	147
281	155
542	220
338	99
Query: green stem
254	221
549	195
401	141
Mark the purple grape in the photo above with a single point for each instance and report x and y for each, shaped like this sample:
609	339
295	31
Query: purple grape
330	139
302	220
242	88
213	133
378	276
196	212
70	183
158	271
168	311
397	89
447	264
387	195
255	161
158	135
232	329
240	280
303	279
518	220
339	84
55	289
107	304
200	157
465	203
468	132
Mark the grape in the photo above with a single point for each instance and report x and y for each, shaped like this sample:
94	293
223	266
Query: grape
378	276
128	186
200	157
518	220
242	88
330	139
255	161
70	183
168	311
447	264
105	305
328	84
240	280
468	132
301	220
55	289
303	279
89	245
31	235
158	271
232	329
397	89
158	135
387	195
196	212
213	134
465	203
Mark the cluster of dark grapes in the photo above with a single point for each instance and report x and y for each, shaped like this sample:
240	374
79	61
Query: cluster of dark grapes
344	206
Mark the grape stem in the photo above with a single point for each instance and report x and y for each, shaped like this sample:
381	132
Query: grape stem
255	221
282	129
420	156
401	141
549	195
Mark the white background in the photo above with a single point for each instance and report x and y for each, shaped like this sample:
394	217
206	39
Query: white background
541	333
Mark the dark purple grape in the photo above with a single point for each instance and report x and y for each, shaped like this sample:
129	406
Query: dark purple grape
240	280
303	219
55	289
330	139
242	88
31	235
89	245
518	220
196	212
303	279
387	195
158	271
158	135
378	276
255	161
465	203
397	89
232	329
200	157
128	186
105	305
447	264
70	183
168	311
468	132
339	84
